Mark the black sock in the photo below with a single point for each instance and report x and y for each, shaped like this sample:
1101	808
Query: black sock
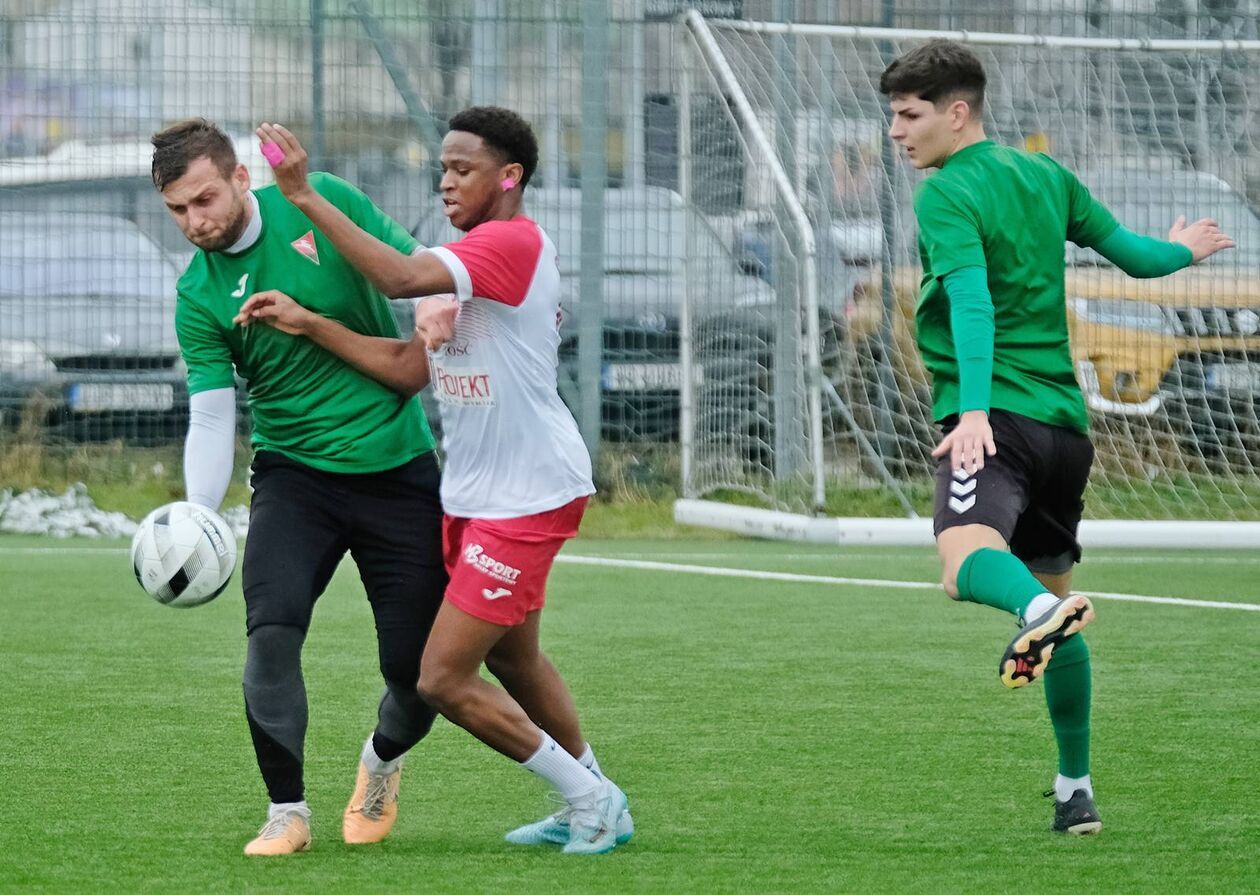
385	748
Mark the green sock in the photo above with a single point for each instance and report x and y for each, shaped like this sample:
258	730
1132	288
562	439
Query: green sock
996	578
1068	688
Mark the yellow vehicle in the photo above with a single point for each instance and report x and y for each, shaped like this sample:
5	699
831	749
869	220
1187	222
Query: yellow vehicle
1184	348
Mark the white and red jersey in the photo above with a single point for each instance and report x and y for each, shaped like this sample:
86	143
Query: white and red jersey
512	447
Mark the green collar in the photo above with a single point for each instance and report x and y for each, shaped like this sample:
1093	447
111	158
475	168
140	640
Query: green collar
968	151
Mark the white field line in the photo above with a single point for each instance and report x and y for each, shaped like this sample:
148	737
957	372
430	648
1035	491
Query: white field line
762	575
827	555
835	554
60	551
757	574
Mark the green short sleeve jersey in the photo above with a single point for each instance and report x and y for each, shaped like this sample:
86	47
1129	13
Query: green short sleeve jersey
1010	212
305	402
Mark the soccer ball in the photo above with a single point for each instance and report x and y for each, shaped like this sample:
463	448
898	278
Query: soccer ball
183	554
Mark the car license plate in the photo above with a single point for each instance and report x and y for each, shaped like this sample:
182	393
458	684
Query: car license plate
1233	377
94	396
642	377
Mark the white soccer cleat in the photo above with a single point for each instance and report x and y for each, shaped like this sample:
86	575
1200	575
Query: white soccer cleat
593	820
554	828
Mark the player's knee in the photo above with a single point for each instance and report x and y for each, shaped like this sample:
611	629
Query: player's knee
275	609
431	690
513	667
502	668
400	672
272	653
439	686
953	572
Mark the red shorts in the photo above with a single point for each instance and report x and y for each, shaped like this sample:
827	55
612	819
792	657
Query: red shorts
499	567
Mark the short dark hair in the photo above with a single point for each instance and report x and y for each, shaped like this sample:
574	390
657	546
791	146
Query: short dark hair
939	70
504	132
181	144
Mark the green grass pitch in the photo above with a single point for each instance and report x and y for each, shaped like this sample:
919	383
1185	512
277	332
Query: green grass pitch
772	736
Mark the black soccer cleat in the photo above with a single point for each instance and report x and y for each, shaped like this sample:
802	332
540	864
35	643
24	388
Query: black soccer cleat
1077	816
1028	654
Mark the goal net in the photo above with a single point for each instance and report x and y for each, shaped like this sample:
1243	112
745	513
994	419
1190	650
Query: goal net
803	392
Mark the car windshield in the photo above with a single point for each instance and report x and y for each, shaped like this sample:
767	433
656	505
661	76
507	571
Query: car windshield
643	234
636	240
1148	205
74	256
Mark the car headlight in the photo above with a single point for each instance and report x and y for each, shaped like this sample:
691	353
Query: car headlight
1122	313
24	358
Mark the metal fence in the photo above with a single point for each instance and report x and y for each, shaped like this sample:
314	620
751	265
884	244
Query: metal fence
88	256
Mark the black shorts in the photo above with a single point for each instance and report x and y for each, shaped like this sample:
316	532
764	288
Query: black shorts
1031	491
303	520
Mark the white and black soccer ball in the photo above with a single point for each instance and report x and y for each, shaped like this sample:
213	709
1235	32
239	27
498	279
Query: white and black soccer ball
183	554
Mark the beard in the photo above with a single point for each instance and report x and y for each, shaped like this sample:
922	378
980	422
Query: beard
230	234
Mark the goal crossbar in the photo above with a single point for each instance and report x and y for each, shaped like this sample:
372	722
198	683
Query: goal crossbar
985	37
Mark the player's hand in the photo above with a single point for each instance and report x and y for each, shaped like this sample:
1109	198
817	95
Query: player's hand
435	320
276	309
288	163
969	443
1203	238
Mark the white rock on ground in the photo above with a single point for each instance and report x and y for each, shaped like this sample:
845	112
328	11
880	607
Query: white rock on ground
73	514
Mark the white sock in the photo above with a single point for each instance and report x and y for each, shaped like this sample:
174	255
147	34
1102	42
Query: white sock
1039	606
301	808
561	770
375	764
587	760
1065	786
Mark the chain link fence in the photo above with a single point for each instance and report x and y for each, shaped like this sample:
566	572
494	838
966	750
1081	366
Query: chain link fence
88	256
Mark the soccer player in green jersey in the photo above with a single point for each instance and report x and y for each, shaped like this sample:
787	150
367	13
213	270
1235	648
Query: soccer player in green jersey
992	329
341	463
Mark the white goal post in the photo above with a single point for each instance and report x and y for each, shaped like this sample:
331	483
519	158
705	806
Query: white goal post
805	412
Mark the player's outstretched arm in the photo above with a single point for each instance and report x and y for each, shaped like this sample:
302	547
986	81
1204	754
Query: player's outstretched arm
398	365
1204	238
392	272
1144	257
401	366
